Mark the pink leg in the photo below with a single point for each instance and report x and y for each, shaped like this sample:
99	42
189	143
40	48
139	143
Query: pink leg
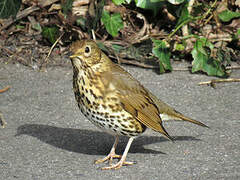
111	155
123	159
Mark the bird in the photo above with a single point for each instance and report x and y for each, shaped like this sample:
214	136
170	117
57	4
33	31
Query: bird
114	101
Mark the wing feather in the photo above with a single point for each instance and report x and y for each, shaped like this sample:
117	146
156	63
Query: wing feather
134	98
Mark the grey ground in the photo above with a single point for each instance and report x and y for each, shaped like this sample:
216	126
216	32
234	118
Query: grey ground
46	136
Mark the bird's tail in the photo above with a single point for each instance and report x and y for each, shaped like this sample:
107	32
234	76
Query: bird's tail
179	116
169	113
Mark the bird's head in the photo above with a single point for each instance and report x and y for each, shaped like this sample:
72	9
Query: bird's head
86	53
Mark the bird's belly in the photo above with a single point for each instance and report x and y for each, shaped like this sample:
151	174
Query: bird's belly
105	110
114	123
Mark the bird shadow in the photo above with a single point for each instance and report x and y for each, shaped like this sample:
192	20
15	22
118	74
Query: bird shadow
88	141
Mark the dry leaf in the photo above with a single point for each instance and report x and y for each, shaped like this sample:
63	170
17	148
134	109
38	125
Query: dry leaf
44	3
78	3
54	7
80	11
237	3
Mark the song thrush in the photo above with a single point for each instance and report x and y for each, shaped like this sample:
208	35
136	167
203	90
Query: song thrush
114	101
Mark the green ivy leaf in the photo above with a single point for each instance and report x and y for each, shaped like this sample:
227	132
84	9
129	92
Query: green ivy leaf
113	23
161	51
202	60
184	15
50	33
153	5
9	8
227	15
118	2
128	1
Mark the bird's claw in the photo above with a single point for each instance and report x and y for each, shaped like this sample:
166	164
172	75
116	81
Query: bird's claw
118	165
109	158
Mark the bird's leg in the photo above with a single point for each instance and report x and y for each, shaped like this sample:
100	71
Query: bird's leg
123	159
111	155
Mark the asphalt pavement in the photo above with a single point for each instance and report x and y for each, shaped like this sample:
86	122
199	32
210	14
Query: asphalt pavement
46	136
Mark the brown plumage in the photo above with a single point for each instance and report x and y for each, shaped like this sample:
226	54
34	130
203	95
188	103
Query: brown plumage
115	101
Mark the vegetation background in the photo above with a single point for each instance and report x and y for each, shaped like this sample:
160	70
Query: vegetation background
145	33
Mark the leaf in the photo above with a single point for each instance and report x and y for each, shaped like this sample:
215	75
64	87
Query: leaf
184	15
102	47
113	23
37	27
176	2
50	33
128	1
118	2
67	6
237	35
96	14
227	15
81	22
238	32
153	5
9	8
202	60
20	27
161	51
117	48
179	47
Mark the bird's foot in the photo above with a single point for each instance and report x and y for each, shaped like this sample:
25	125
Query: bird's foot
118	165
109	158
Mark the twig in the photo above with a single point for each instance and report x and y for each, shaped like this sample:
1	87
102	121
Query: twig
4	89
22	61
2	121
185	27
169	15
50	51
214	81
182	69
192	19
177	28
93	35
135	63
209	10
189	67
143	33
26	12
116	57
208	19
233	67
19	16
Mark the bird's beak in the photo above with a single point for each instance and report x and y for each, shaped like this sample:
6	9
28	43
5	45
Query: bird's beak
72	56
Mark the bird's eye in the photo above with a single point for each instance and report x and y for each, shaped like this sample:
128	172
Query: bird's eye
87	51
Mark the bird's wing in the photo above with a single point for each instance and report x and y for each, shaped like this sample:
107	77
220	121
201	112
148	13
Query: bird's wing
134	98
